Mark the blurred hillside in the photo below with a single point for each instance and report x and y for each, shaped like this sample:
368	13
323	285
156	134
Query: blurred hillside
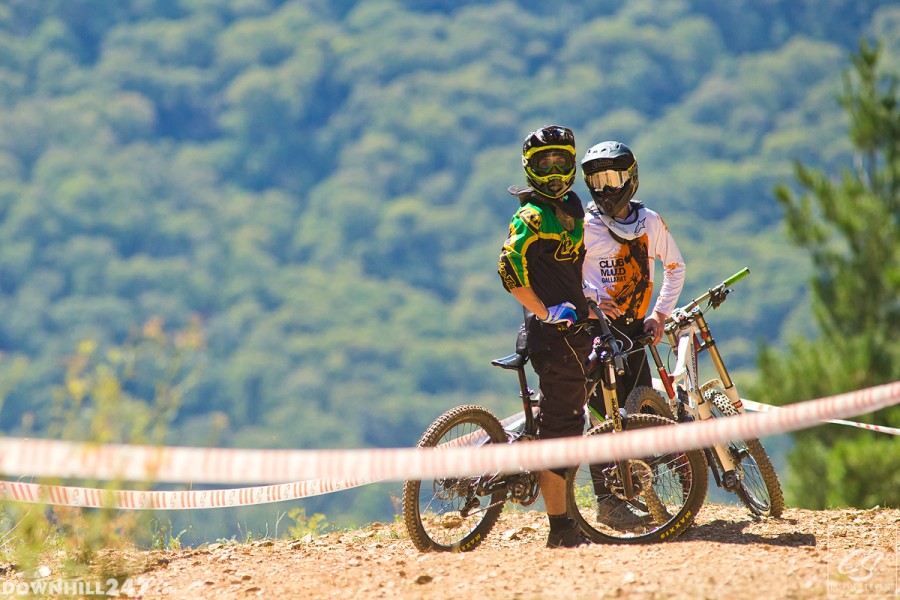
321	185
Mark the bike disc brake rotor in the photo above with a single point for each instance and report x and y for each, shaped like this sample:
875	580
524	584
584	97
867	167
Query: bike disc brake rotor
451	487
641	478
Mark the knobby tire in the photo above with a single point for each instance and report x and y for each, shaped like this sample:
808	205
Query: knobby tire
432	509
759	489
646	400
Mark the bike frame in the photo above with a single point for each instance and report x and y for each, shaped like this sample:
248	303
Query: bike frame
688	333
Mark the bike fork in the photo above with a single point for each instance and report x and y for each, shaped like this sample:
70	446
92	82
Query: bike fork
611	403
729	478
727	385
721	451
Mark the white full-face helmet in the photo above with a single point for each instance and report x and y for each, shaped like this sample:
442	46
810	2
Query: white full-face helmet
611	174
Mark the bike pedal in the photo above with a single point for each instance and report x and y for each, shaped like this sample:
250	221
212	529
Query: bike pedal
731	481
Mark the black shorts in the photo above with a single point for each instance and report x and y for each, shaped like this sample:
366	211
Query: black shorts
562	372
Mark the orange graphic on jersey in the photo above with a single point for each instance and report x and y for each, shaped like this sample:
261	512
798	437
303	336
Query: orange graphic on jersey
627	278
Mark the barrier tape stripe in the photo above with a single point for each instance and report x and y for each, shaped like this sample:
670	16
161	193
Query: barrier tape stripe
45	458
191	499
58	495
760	407
24	457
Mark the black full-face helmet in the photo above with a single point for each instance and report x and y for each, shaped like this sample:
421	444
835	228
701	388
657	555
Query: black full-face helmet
611	174
548	156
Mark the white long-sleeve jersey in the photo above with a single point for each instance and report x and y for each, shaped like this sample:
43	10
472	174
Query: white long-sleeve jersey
622	269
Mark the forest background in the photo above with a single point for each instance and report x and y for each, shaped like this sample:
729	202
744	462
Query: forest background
307	200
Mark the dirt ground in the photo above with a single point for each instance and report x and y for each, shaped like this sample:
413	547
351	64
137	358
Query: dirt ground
726	554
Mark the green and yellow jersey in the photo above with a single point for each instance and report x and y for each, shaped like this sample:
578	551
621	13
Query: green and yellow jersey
545	250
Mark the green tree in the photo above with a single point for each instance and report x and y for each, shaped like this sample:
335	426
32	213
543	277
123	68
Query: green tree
850	226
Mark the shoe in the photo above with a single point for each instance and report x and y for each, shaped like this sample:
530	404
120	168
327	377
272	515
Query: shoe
620	515
570	537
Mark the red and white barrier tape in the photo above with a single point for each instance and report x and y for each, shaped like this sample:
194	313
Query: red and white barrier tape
59	495
44	458
178	464
760	407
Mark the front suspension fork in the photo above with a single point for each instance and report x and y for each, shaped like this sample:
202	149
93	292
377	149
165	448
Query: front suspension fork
703	412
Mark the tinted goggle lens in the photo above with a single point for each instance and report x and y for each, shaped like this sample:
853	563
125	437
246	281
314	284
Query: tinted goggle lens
602	179
545	163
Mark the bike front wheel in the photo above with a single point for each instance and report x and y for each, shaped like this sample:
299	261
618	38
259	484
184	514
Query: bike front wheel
759	489
668	490
454	514
643	399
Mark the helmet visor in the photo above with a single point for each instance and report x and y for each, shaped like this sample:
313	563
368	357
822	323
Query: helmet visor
610	178
550	161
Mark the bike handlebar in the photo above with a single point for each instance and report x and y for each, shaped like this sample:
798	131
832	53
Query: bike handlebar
717	294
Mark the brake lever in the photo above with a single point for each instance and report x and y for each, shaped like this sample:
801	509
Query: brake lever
717	295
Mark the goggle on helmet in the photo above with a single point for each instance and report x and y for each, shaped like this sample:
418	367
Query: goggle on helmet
611	174
548	156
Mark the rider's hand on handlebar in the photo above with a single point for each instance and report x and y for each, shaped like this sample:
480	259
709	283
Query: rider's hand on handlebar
655	324
607	305
561	314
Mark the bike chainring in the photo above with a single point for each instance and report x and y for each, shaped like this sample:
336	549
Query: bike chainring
525	488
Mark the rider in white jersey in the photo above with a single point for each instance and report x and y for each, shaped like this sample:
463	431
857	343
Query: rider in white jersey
623	240
623	269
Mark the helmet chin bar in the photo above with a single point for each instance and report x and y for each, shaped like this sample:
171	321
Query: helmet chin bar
612	200
611	209
553	189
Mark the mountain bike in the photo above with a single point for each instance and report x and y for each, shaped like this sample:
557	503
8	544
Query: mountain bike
646	499
455	514
741	467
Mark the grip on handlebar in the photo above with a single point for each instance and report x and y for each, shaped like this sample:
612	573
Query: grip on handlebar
737	276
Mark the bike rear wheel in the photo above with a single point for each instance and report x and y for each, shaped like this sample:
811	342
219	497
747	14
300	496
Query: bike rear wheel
759	489
451	514
670	488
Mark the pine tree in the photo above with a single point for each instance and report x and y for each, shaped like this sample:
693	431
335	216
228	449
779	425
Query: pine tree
850	225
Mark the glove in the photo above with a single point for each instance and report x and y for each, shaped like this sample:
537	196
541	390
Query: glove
560	314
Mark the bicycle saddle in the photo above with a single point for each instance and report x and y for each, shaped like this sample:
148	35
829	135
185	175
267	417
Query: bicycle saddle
512	362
